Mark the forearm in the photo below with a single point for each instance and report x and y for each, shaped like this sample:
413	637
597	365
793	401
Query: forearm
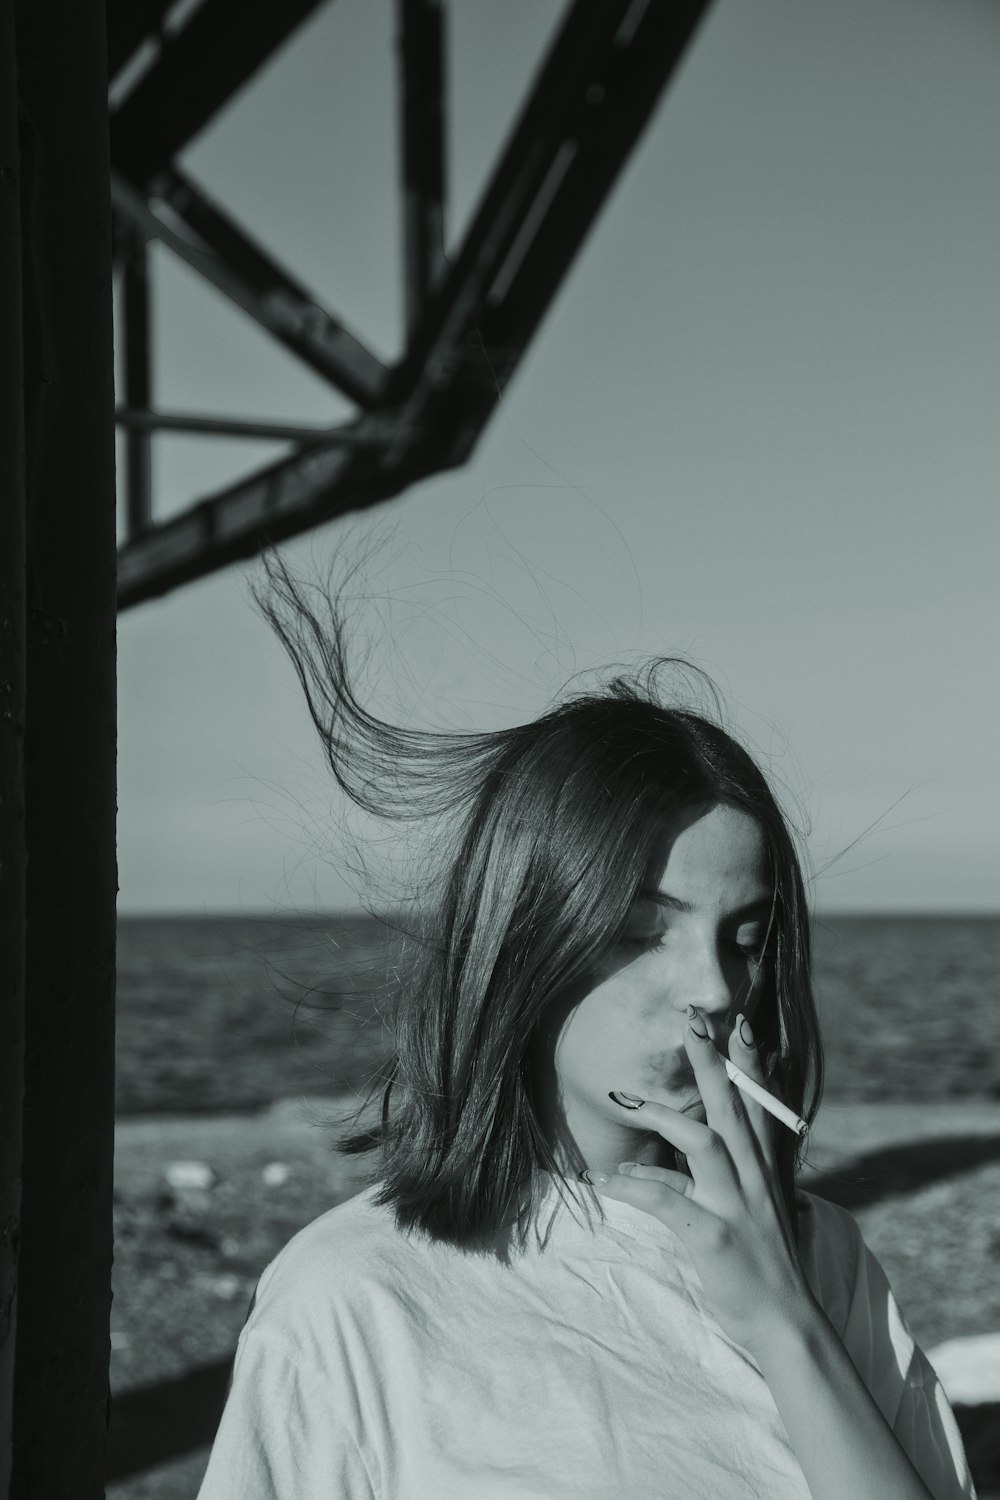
846	1448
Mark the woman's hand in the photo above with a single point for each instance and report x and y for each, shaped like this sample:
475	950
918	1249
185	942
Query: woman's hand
730	1214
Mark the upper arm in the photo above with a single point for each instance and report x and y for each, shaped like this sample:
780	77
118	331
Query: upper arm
279	1437
253	1304
897	1372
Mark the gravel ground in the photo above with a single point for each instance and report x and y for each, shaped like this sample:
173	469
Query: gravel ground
186	1262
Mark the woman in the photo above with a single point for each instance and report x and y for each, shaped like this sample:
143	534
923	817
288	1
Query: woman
504	1310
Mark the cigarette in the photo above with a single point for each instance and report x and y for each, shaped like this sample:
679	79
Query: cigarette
770	1103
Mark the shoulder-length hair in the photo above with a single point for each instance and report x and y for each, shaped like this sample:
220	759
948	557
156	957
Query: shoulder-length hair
557	825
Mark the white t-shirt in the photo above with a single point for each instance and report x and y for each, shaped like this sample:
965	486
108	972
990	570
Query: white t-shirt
376	1364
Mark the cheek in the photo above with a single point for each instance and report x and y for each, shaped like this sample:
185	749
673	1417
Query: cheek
651	1002
601	1027
635	998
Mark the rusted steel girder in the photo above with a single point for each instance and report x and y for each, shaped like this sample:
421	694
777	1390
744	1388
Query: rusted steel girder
421	68
243	272
471	323
198	69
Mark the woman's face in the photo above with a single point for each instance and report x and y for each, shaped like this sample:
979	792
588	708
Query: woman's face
697	945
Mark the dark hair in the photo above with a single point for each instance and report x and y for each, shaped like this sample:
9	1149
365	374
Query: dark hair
559	822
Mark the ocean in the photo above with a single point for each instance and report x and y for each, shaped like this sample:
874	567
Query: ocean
229	1013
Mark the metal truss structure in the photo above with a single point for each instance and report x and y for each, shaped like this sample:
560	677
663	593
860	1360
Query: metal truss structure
468	320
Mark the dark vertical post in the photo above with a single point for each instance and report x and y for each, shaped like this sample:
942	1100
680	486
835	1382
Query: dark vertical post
13	854
138	440
421	47
61	1396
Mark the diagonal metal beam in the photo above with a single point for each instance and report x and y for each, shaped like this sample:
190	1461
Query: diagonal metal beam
280	501
129	22
310	331
598	86
607	69
243	273
421	57
204	65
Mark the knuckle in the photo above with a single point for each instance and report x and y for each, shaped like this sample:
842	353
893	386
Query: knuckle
718	1235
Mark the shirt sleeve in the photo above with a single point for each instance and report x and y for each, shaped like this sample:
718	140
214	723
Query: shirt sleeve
901	1379
279	1437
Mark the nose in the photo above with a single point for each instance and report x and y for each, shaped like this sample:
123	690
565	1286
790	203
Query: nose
708	988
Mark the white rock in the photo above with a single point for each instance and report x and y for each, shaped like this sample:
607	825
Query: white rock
226	1287
275	1173
189	1174
969	1368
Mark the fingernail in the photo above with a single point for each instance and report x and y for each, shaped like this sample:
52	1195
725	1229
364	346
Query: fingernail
697	1024
627	1101
596	1179
746	1034
625	1167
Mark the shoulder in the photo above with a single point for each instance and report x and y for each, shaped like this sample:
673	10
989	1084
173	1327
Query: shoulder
350	1229
833	1227
832	1250
346	1255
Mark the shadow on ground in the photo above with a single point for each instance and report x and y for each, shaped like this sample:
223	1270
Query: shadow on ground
902	1168
154	1425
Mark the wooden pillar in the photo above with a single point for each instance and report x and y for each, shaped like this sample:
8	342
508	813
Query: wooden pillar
60	868
13	855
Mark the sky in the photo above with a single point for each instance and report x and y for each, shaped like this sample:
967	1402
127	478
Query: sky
758	427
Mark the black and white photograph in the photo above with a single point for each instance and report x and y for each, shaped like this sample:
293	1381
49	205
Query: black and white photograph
500	797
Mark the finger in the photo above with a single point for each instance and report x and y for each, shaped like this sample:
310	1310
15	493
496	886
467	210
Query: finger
680	1182
724	1104
711	1164
648	1189
747	1058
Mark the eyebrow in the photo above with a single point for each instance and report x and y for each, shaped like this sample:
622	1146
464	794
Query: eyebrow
676	904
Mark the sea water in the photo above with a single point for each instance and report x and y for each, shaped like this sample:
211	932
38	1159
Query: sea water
230	1012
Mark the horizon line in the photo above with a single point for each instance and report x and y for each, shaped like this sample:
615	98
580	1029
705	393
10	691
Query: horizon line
335	914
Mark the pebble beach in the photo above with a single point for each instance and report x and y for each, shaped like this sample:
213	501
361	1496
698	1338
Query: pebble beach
204	1202
237	1038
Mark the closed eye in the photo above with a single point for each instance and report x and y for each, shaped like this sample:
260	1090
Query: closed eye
650	940
753	949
